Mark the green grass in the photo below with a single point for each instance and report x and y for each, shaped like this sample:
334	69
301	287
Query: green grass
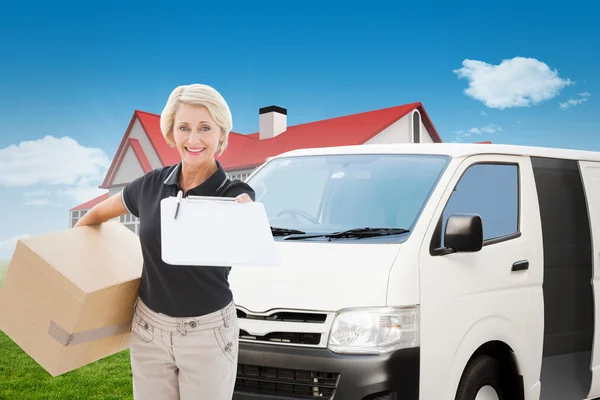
22	378
3	268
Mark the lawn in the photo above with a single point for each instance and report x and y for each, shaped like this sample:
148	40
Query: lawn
22	378
3	267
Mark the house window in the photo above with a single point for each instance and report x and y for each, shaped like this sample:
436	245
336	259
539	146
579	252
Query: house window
131	222
416	127
491	191
241	176
74	217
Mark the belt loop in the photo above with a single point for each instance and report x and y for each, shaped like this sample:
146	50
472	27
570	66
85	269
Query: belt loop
181	326
225	318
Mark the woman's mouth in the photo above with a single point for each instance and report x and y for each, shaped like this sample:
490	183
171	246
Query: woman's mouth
195	151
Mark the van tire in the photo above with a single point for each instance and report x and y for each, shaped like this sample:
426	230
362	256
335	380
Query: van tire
481	371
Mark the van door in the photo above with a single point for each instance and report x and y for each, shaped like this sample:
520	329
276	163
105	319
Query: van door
590	172
491	297
567	288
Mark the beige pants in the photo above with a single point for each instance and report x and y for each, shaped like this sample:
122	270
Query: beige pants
184	358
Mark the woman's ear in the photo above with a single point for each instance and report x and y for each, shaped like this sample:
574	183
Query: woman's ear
221	141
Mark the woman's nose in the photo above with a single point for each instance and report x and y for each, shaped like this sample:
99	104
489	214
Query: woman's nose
196	136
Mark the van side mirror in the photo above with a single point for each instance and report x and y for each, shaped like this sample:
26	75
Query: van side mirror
464	233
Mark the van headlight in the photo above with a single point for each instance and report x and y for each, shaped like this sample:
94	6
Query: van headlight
374	330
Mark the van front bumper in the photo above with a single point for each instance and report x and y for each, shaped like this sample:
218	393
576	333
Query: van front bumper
287	372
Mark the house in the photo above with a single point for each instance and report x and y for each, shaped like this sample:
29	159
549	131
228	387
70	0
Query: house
143	147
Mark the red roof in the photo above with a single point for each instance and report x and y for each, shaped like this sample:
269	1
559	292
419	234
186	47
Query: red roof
247	151
352	129
151	123
91	203
140	155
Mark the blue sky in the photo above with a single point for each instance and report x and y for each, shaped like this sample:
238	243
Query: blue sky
72	74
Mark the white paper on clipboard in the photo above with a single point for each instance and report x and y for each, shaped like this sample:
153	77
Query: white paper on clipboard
216	231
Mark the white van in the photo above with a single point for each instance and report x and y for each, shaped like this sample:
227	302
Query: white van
425	271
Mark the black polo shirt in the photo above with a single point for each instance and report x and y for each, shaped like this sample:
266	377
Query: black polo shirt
175	290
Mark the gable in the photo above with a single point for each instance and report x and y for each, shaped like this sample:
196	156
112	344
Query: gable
134	141
401	131
130	167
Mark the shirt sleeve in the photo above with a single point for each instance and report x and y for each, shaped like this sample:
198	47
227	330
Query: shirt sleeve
131	195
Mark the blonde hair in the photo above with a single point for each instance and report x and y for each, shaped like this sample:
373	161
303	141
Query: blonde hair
202	95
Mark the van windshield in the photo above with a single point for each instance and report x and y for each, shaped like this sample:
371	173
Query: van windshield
315	195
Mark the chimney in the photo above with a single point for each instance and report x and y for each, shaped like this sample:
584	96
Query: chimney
272	122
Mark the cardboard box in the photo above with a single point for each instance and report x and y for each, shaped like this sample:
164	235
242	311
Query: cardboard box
67	299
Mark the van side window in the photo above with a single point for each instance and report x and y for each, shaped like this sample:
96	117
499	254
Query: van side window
492	192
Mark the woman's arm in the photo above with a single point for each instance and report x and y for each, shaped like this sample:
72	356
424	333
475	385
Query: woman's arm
104	211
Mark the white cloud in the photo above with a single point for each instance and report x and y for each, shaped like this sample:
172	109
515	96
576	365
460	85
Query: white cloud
583	97
490	128
52	161
483	113
63	162
517	82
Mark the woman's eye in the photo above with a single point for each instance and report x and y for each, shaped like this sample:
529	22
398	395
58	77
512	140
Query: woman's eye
182	128
206	128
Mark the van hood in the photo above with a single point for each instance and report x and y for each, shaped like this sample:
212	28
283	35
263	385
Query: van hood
317	276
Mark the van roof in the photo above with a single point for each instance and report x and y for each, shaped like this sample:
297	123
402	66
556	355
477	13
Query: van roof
448	149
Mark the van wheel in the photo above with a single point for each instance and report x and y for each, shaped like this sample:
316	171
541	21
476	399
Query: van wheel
481	380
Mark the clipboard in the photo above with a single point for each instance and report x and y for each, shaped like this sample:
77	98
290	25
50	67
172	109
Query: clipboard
217	232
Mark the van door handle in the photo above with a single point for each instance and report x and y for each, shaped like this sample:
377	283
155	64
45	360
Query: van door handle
520	265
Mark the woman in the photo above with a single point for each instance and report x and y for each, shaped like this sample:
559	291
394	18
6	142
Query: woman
184	342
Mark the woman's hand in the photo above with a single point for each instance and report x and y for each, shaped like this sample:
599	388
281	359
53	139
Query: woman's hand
243	198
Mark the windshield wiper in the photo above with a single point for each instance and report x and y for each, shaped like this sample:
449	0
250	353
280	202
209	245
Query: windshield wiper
285	231
356	233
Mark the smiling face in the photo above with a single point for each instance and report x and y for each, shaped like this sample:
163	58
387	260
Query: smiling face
196	134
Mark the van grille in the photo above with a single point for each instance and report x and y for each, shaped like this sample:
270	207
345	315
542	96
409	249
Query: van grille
286	317
287	383
285	327
284	337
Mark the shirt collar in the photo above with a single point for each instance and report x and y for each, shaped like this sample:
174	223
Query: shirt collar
208	187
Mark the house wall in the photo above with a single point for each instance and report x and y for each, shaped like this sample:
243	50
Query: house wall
115	189
137	132
240	174
129	169
123	174
401	132
129	220
425	134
